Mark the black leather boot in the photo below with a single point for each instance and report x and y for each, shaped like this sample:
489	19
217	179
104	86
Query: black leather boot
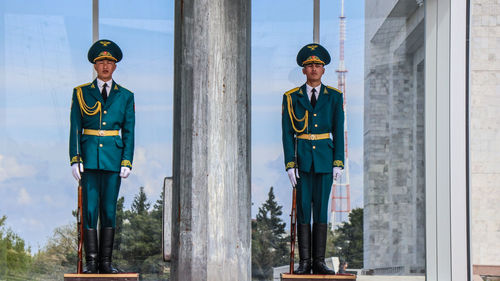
304	238
90	244
319	247
106	251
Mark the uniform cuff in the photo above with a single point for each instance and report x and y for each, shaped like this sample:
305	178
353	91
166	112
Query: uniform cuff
338	163
75	160
290	165
126	163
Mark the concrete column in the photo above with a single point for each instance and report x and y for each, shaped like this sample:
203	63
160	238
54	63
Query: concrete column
211	163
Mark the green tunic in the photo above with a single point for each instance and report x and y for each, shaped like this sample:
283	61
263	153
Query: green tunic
103	152
315	158
102	156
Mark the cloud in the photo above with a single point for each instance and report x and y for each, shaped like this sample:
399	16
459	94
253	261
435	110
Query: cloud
32	223
356	154
10	168
151	166
23	197
276	110
156	25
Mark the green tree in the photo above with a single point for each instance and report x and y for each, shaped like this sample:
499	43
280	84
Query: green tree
137	244
140	205
120	217
15	257
269	239
346	242
141	248
58	256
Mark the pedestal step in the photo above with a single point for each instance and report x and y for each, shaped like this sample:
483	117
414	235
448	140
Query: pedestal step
103	277
310	277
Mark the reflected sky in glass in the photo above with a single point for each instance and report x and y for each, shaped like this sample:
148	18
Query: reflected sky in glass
44	55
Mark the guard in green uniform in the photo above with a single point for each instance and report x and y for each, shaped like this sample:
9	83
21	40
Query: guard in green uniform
102	134
313	145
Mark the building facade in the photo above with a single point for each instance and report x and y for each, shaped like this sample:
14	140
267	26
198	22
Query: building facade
394	169
484	136
398	196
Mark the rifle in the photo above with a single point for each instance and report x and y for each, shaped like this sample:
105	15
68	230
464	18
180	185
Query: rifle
79	213
293	229
79	219
293	217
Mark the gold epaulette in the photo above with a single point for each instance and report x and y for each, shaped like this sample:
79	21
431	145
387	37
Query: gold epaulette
291	91
335	89
83	85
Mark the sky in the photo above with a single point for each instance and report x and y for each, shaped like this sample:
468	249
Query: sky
44	55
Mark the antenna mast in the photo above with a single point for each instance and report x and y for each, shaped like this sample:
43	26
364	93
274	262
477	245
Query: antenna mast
341	191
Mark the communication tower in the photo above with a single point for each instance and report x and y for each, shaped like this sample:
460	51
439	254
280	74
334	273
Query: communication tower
341	190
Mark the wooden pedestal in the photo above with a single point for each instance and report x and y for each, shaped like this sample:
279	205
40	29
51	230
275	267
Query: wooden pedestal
103	277
310	277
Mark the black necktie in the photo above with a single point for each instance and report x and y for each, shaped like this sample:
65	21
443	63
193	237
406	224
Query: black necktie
313	97
104	93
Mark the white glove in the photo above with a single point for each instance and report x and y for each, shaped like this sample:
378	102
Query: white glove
76	171
124	172
337	173
291	175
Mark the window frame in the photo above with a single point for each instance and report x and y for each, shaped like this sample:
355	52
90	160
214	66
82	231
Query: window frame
446	93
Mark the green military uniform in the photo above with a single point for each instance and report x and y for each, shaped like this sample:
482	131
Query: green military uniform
313	142
317	152
102	137
103	155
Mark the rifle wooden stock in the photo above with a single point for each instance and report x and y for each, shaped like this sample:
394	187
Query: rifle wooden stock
293	229
79	220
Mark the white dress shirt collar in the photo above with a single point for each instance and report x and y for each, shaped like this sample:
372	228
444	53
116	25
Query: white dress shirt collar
309	91
100	84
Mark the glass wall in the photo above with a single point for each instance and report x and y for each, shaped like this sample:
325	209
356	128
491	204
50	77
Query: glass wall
44	51
394	166
145	32
384	55
43	57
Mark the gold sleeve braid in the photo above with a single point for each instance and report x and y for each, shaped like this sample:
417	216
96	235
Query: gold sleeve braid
338	163
75	159
126	163
293	117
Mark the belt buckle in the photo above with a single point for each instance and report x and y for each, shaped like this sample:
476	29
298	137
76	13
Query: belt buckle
100	133
312	137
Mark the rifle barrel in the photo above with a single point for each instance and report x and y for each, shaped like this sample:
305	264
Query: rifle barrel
79	220
293	216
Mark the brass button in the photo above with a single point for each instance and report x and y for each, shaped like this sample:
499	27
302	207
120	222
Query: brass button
314	147
315	114
101	133
100	145
105	112
104	123
315	125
